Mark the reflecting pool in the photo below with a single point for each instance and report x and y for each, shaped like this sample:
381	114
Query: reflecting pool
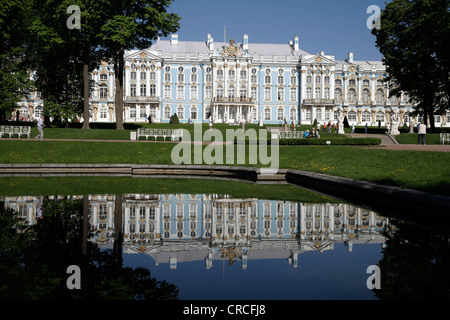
208	246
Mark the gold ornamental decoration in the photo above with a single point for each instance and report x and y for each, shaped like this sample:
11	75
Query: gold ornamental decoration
232	50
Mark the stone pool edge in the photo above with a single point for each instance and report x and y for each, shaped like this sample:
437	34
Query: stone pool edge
362	192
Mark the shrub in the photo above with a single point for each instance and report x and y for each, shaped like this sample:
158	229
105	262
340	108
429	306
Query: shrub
174	119
346	124
322	141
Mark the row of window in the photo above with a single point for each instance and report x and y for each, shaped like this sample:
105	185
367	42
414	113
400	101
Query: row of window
351	116
180	94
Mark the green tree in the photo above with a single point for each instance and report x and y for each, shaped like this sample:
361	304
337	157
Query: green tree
34	260
413	39
53	54
62	51
415	262
133	24
14	76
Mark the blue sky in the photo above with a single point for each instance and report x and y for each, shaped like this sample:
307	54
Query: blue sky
334	26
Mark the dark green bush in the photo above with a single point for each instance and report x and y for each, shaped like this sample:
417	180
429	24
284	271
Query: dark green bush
174	119
323	141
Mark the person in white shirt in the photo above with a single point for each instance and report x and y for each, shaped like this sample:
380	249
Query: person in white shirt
422	132
40	126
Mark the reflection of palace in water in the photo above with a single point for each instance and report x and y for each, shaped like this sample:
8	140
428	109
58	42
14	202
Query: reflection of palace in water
174	228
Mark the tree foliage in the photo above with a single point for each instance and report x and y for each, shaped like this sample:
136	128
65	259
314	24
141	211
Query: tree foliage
14	75
133	24
413	39
34	260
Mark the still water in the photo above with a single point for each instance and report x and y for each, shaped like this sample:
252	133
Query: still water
213	247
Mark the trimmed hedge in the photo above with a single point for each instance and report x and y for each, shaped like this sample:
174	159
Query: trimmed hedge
323	141
332	141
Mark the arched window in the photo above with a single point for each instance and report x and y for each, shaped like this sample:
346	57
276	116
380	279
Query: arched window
366	96
38	111
194	113
379	116
166	112
365	116
338	95
219	92
180	112
292	114
243	92
379	96
337	82
267	114
406	117
351	116
280	114
318	93
351	96
231	92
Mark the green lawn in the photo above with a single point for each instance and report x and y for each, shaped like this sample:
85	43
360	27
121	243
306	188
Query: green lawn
113	134
18	186
411	138
429	171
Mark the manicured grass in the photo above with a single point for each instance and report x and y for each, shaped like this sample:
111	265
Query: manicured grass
17	186
411	138
113	134
428	171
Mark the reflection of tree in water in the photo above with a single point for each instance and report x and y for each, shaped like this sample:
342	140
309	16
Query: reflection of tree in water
34	260
415	264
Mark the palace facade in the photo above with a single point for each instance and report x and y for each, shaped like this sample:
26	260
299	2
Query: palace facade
175	228
230	82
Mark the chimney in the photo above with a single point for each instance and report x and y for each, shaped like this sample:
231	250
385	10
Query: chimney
350	57
174	39
245	42
210	42
296	43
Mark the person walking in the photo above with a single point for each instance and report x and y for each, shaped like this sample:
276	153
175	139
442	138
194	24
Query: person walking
40	126
365	129
422	132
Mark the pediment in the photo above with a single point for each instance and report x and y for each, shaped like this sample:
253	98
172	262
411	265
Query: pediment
317	59
141	55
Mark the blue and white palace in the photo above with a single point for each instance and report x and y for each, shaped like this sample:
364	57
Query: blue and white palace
231	82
